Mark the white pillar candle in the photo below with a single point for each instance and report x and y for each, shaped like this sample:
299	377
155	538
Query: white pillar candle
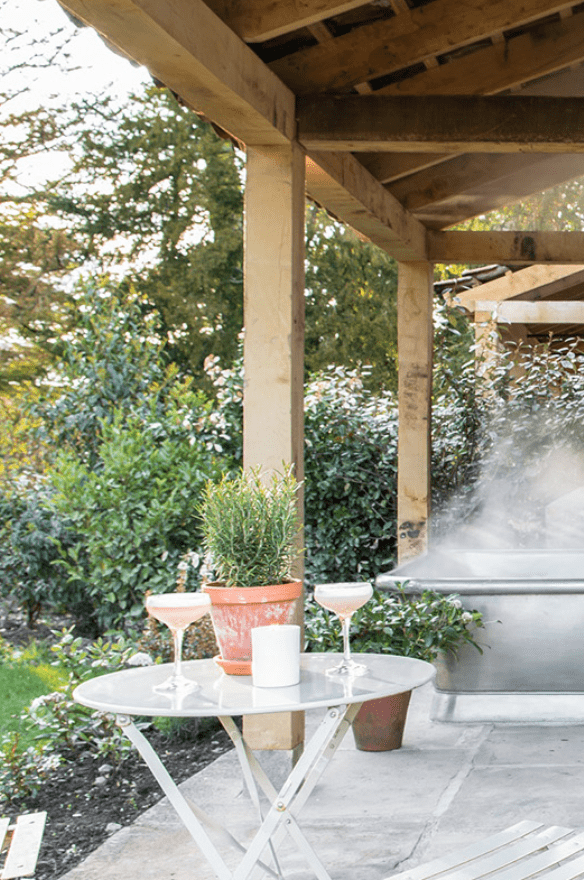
275	655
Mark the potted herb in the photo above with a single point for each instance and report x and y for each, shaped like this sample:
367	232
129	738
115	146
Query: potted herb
422	626
250	528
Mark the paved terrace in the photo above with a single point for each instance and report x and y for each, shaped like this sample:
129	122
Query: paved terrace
375	813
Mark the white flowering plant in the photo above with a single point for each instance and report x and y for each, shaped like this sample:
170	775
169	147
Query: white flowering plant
420	625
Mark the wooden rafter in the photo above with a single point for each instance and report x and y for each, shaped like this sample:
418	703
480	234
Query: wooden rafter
554	312
533	282
541	51
384	47
442	123
502	179
347	190
454	177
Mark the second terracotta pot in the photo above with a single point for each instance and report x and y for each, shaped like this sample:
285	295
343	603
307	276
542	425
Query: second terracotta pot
379	724
235	611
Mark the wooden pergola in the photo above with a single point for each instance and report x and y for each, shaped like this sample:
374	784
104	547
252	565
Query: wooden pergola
401	118
535	304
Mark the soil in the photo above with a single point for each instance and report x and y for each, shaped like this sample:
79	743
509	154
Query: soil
87	799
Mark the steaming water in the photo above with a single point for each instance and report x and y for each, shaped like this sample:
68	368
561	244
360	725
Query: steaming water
532	503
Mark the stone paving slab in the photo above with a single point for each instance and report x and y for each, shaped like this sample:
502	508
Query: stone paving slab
372	814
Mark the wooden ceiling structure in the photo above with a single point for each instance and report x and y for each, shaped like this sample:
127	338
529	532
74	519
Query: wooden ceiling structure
402	118
414	115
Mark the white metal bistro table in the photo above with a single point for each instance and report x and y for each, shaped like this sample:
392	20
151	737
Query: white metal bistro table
131	693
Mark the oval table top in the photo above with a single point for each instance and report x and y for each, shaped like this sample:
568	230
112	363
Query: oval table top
131	691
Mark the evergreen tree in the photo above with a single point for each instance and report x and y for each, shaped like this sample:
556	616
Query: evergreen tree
351	289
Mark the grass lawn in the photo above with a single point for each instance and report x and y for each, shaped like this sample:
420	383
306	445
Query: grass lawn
22	681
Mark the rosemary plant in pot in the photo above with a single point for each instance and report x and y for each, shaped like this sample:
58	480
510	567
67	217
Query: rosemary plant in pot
250	527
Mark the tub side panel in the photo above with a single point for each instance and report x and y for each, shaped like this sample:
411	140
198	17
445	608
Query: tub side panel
530	643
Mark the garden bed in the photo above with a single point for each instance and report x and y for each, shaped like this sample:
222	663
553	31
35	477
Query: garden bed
87	799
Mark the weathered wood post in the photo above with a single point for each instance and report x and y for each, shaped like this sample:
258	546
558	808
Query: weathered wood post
415	338
273	411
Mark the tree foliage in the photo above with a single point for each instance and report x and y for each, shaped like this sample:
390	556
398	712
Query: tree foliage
351	289
154	189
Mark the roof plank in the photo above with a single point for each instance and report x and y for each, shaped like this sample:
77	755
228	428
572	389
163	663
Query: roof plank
255	21
435	124
533	282
541	51
384	47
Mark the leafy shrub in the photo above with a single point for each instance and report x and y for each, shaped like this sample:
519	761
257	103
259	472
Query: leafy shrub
132	519
350	478
109	365
59	726
421	626
23	455
29	530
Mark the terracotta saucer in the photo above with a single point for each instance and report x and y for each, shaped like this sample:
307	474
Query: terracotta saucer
233	667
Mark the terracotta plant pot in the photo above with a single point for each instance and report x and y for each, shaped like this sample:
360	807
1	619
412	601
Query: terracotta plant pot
235	611
379	724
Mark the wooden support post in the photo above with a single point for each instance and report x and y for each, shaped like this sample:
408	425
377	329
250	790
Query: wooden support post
273	397
415	337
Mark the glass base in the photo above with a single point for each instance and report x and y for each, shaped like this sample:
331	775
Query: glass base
348	668
177	684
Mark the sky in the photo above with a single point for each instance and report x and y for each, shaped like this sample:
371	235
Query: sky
84	65
46	60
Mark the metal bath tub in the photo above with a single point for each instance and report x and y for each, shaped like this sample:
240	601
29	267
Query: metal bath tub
532	602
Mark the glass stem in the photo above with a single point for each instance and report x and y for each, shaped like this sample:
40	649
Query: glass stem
346	621
177	637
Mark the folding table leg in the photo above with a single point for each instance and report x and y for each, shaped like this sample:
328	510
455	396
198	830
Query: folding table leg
190	817
287	803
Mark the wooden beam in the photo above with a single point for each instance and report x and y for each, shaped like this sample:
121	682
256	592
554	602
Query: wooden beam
189	49
533	282
523	312
442	124
505	247
255	21
459	174
344	187
383	47
414	325
546	170
387	167
540	52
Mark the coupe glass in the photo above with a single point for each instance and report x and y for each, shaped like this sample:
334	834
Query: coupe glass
177	611
344	600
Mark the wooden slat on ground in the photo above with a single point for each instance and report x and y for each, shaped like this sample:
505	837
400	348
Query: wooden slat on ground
25	839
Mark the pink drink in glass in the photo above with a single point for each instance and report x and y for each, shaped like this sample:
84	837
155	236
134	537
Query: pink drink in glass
343	600
177	611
